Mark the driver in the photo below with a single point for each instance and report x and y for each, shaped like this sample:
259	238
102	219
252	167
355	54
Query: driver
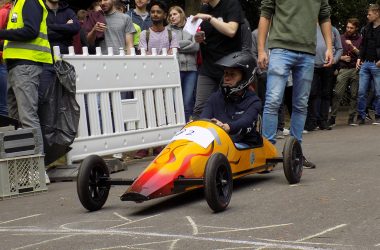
234	107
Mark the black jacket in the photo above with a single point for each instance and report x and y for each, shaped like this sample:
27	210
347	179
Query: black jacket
61	33
241	116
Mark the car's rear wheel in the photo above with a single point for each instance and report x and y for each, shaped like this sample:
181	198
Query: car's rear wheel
91	187
293	160
218	182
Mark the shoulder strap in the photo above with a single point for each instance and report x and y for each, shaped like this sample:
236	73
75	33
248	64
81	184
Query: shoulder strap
147	34
170	35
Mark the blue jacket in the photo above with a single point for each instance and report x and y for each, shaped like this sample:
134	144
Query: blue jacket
61	33
136	19
241	116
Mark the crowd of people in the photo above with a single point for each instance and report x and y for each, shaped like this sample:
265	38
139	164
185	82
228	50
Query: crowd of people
303	63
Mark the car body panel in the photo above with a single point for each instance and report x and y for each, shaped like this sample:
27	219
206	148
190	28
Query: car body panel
186	158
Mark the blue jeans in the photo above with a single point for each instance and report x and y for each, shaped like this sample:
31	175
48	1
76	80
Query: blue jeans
368	71
3	90
188	85
281	62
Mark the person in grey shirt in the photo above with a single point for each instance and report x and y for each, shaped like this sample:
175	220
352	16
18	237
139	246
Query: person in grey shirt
321	86
118	29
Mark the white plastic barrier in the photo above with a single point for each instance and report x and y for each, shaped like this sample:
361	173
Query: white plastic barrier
109	124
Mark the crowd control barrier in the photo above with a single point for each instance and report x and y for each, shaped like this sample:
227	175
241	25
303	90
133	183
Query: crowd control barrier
128	102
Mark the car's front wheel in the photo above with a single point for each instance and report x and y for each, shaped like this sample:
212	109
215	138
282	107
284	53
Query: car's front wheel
218	182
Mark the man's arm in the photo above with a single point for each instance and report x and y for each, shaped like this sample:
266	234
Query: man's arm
337	45
32	17
63	30
128	42
326	32
261	40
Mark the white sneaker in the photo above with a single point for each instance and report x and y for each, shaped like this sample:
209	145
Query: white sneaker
47	180
305	132
286	132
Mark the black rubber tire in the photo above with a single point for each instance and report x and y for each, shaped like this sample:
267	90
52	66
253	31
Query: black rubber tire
92	193
218	182
293	160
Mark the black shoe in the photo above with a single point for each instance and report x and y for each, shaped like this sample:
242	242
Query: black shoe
368	117
377	120
331	121
323	125
310	128
351	121
360	120
308	164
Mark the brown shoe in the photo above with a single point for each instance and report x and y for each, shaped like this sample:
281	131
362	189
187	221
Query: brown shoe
308	164
142	153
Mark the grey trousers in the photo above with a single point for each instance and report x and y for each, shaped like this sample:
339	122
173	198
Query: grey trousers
205	87
23	81
346	77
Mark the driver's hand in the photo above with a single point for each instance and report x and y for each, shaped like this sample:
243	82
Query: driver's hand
217	122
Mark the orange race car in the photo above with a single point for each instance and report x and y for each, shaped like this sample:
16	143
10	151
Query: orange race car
200	155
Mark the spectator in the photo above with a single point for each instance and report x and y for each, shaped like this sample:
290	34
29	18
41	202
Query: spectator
187	58
5	6
348	75
141	19
260	88
80	39
369	63
293	43
321	86
220	35
26	49
158	36
94	15
234	107
62	25
118	30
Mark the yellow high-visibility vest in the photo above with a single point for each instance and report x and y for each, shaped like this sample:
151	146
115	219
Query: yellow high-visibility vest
38	49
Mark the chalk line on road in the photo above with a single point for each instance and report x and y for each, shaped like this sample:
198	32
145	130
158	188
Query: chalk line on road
193	225
123	217
21	218
134	221
321	233
89	232
42	242
140	244
247	229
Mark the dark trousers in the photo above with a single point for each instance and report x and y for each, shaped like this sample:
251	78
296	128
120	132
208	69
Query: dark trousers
320	96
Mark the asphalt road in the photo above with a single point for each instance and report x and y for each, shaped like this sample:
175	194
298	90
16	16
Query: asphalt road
336	206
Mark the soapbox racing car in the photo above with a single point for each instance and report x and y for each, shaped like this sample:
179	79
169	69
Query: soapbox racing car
200	155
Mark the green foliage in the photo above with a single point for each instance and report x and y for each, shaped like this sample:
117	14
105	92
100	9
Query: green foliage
341	10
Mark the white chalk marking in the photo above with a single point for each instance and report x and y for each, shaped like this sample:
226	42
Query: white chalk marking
135	245
378	245
321	233
120	216
247	229
193	225
177	236
130	222
21	218
173	244
230	248
303	242
43	242
65	226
